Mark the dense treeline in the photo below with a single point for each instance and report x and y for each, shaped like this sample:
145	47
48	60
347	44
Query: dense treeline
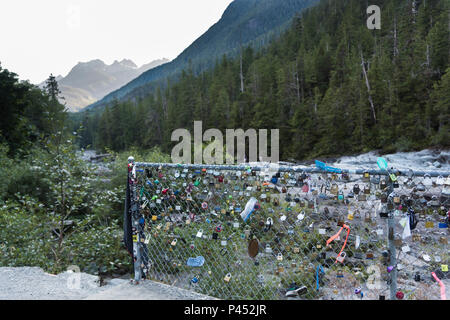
331	86
28	114
54	211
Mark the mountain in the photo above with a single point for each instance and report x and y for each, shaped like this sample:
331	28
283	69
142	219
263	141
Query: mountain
244	22
90	81
329	84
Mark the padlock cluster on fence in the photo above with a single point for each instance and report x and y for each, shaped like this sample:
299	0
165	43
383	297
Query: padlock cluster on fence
234	232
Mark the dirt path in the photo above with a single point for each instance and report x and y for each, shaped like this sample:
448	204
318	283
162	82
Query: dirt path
32	283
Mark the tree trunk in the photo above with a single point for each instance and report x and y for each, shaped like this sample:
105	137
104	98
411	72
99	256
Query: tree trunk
368	87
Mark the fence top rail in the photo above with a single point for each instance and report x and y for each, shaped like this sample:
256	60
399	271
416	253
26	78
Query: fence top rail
293	168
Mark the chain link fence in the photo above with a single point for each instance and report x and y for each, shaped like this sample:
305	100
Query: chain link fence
240	232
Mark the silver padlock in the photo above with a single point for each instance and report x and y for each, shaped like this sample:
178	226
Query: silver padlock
341	257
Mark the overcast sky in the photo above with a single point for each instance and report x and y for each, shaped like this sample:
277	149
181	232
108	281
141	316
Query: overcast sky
39	37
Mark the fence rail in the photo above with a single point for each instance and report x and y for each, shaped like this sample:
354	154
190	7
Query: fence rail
312	234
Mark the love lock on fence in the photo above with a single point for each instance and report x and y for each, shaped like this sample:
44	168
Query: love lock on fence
232	233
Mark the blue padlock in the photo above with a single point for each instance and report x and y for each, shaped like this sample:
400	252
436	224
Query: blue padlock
194	279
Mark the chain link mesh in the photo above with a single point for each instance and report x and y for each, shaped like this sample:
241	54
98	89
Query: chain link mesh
189	232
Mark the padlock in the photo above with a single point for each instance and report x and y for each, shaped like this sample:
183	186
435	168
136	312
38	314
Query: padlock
279	257
268	249
280	268
227	277
366	176
269	224
356	189
341	257
296	250
367	217
199	233
367	189
429	224
174	242
334	189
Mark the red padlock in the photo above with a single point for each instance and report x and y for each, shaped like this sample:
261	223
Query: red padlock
399	295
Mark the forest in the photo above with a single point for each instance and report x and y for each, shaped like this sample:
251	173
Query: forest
329	84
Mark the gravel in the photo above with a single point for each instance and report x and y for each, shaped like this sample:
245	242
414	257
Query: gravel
32	283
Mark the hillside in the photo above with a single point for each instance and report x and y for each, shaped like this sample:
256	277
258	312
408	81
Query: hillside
331	86
246	22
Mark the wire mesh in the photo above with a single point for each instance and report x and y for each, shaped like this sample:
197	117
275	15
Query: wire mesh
311	235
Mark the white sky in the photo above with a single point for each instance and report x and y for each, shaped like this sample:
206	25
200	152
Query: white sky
39	37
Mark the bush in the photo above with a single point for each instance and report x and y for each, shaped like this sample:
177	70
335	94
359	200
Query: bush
28	237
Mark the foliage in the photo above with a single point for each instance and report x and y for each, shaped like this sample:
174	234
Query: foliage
28	114
28	238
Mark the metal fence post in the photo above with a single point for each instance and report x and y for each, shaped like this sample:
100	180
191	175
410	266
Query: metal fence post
391	245
135	217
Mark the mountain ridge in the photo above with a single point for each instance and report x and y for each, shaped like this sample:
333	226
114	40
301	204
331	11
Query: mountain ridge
89	81
247	22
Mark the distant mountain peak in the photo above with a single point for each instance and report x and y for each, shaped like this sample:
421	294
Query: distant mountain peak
128	62
244	22
92	80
